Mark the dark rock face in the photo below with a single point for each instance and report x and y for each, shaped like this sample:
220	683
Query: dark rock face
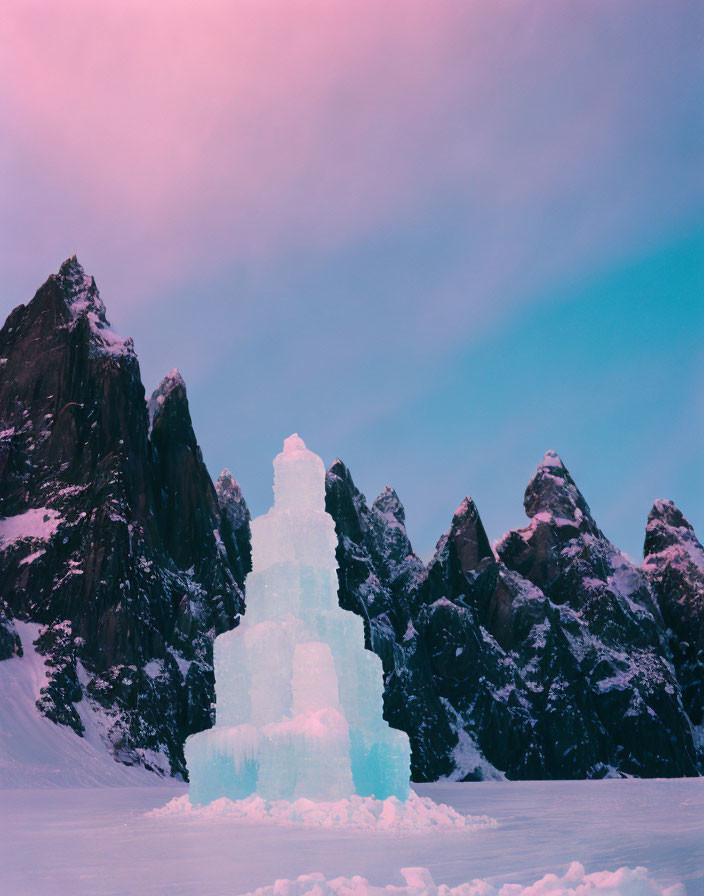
550	660
10	643
377	564
378	573
615	625
235	523
617	664
112	534
674	564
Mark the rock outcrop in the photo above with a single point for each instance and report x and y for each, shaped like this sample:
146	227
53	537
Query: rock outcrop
547	659
674	564
623	685
112	535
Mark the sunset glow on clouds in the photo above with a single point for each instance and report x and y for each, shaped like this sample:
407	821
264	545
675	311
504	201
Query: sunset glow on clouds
361	193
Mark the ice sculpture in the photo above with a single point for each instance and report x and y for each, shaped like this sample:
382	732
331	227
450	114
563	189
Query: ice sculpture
298	698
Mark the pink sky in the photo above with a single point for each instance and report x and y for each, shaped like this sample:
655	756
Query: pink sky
354	192
211	133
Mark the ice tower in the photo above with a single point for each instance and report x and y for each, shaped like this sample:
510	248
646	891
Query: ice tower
298	698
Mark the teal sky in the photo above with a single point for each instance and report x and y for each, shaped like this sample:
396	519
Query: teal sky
434	239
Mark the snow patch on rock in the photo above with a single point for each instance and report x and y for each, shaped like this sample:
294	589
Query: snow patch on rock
38	523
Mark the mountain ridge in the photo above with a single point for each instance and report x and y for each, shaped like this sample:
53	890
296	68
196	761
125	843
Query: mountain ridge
547	654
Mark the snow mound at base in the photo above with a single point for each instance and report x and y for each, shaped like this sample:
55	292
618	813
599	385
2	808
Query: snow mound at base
419	882
416	814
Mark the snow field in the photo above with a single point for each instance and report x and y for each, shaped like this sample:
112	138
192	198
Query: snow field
89	841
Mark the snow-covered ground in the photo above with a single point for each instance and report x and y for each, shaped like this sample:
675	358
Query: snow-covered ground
100	841
74	822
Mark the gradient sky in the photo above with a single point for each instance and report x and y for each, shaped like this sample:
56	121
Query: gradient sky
435	238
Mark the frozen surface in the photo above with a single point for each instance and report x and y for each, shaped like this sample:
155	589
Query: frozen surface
419	882
75	842
298	698
35	752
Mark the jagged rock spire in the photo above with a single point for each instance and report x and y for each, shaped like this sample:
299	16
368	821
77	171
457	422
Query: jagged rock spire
465	544
553	491
389	504
80	289
469	536
85	307
344	502
231	500
674	564
668	527
172	385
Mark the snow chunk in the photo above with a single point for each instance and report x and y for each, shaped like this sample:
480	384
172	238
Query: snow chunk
419	882
551	459
366	813
39	523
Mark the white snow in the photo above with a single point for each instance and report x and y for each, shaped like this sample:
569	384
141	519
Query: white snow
30	558
419	882
102	842
415	814
551	459
34	752
39	523
410	632
183	664
154	668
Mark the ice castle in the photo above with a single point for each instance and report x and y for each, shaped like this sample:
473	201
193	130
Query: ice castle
298	698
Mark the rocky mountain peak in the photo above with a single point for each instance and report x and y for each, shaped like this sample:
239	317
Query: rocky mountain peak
389	505
469	537
231	500
80	290
171	391
340	471
674	564
116	543
344	502
553	492
668	527
84	304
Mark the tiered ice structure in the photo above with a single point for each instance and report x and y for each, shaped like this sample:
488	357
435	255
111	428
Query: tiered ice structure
299	699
